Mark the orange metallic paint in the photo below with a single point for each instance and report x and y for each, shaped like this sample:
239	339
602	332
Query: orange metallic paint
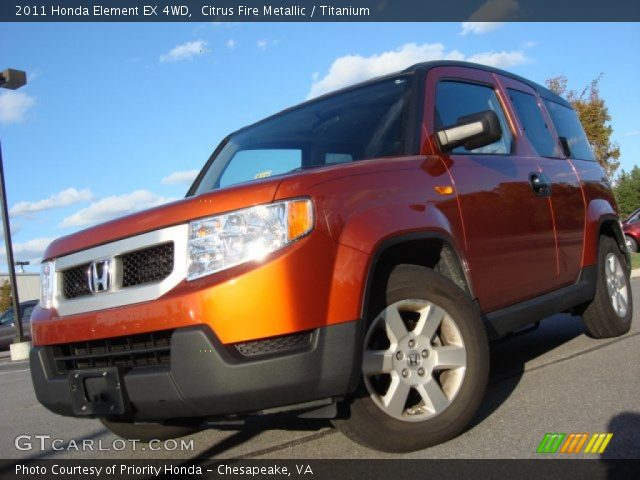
514	244
287	292
509	230
174	213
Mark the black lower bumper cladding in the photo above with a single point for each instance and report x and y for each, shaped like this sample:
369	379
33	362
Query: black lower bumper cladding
207	379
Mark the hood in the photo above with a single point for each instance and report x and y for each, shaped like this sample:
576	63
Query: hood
174	213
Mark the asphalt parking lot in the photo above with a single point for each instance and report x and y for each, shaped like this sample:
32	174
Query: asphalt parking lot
555	379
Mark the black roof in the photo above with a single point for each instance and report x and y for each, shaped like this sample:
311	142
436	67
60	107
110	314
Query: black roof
543	91
424	67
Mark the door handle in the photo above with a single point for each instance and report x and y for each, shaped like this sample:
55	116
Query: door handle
540	184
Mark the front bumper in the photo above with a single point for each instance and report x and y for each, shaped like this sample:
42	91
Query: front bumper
207	379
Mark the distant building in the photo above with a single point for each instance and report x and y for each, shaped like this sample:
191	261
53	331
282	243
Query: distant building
28	285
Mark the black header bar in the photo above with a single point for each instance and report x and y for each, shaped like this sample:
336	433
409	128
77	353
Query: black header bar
319	10
371	469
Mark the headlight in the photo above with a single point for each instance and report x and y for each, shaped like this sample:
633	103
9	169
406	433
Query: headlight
46	285
223	241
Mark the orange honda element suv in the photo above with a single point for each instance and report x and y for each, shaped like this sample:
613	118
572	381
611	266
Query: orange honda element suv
348	258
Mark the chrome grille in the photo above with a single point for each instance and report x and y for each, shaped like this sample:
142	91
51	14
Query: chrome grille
147	266
75	282
129	352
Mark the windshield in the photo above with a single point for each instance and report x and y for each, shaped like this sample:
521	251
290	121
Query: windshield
366	122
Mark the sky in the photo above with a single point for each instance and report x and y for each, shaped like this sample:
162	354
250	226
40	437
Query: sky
119	117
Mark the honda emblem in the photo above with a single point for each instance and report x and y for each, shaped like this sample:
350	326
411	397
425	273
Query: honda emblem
99	276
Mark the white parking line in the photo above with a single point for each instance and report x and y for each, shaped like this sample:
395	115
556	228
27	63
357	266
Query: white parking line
14	371
2	365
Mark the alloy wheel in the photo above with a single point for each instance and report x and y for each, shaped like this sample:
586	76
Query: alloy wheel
617	285
414	360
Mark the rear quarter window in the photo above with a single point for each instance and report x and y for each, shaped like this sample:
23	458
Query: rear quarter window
568	125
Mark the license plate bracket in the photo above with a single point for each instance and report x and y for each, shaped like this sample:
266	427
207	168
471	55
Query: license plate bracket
98	391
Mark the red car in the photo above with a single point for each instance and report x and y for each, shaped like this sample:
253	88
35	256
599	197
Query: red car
356	251
631	228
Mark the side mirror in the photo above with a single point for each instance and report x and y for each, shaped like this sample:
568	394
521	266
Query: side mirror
472	131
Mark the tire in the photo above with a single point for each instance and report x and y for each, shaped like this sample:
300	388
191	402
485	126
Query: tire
631	242
145	432
460	378
604	316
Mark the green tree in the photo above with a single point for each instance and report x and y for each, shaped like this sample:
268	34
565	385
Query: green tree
627	191
5	296
594	116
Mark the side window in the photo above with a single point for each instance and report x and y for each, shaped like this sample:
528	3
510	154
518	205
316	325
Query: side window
532	120
457	99
249	165
568	125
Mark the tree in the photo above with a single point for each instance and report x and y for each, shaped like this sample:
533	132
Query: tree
5	296
594	116
627	191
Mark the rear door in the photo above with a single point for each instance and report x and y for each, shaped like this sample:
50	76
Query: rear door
508	228
566	193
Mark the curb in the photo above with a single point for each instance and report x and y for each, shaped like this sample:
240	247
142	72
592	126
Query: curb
635	273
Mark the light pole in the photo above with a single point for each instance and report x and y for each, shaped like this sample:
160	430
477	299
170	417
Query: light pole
11	79
21	265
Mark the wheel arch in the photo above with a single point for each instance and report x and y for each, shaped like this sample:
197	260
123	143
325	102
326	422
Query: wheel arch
609	225
429	248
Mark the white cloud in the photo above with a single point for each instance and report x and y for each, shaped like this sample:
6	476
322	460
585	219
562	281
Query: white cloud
494	10
231	44
502	59
479	27
266	43
490	16
185	176
351	69
14	106
114	206
64	198
529	44
31	250
185	51
633	133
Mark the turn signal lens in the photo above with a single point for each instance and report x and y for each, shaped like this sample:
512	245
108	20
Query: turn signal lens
299	218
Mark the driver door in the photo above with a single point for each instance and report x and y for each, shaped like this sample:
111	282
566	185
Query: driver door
507	227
